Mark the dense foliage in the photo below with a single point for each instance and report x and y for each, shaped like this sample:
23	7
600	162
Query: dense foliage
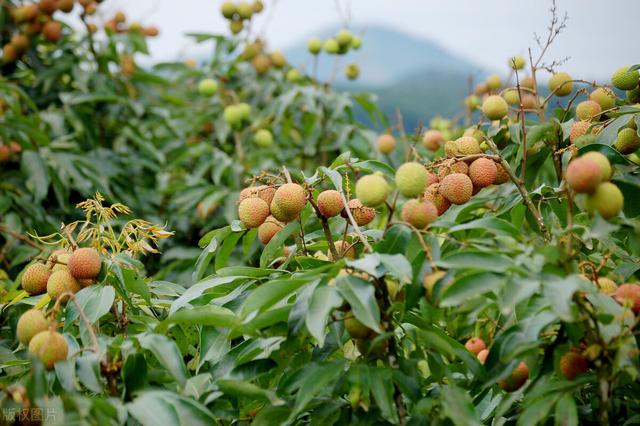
222	243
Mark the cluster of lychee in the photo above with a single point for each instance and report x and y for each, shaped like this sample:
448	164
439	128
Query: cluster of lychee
65	271
261	60
590	174
9	152
38	333
118	24
239	12
339	44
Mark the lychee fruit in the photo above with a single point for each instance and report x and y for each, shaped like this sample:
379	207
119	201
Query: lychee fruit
430	280
278	59
264	192
583	175
84	263
624	79
331	46
511	96
362	215
495	107
261	64
65	6
451	148
330	203
268	229
207	87
263	138
344	249
603	163
352	71
606	200
572	364
314	46
386	143
245	10
457	188
527	82
432	139
475	345
561	84
372	190
49	347
482	356
604	97
228	9
20	43
62	260
578	128
356	42
53	260
61	282
483	172
493	82
344	37
253	212
627	141
52	31
355	328
288	202
258	6
517	378
30	323
419	213
34	279
411	179
432	194
233	115
501	176
47	6
236	26
588	110
481	89
516	62
629	294
607	285
472	102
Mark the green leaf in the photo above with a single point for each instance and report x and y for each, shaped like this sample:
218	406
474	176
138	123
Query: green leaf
242	389
489	224
317	380
566	412
271	293
360	295
160	407
196	290
203	315
381	385
470	286
95	301
209	252
38	176
323	301
458	406
136	285
277	242
167	353
479	260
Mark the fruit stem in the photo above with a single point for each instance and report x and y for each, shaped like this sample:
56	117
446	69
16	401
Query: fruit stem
325	227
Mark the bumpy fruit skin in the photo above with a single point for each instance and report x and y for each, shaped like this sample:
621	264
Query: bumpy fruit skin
607	285
501	175
30	323
495	107
330	203
344	249
432	139
475	345
386	143
583	175
53	258
432	194
419	213
517	378
253	212
628	141
604	97
561	84
62	260
588	110
411	179
433	178
268	229
606	200
264	192
314	46
482	356
572	364
263	138
208	87
61	282
625	80
49	347
288	202
372	190
361	214
457	188
629	294
483	172
451	148
84	263
578	128
603	163
355	328
494	82
34	279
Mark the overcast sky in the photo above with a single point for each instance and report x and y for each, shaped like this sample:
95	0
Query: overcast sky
599	38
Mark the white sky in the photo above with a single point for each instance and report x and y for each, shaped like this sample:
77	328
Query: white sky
600	37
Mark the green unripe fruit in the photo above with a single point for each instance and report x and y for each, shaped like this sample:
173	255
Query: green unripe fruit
419	213
386	143
584	175
603	163
355	328
232	115
411	179
494	82
604	97
352	71
61	282
263	138
606	200
228	9
208	87
245	10
293	75
344	38
511	96
457	188
588	110
278	59
516	379
467	145
30	323
330	203
517	62
627	141
624	79
560	83
331	46
236	27
585	140
253	212
84	263
472	102
495	107
372	190
314	46
49	347
245	110
633	95
356	42
288	202
34	279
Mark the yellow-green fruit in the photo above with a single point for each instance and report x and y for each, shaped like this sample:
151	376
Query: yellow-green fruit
604	97
361	214
495	107
34	279
62	260
432	139
628	141
451	148
432	194
253	212
457	188
624	79
430	281
208	87
330	203
603	163
61	282
585	140
30	323
53	258
527	82
472	102
356	42
263	138
314	46
245	10
606	200
607	285
352	71
258	6
228	9
494	82
344	249
511	96
236	26
560	83
476	133
372	190
268	229
84	263
49	347
293	75
261	64
467	145
355	328
288	202
386	143
331	46
588	110
584	175
233	115
516	379
578	128
344	38
517	62
278	60
419	213
411	179
483	172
